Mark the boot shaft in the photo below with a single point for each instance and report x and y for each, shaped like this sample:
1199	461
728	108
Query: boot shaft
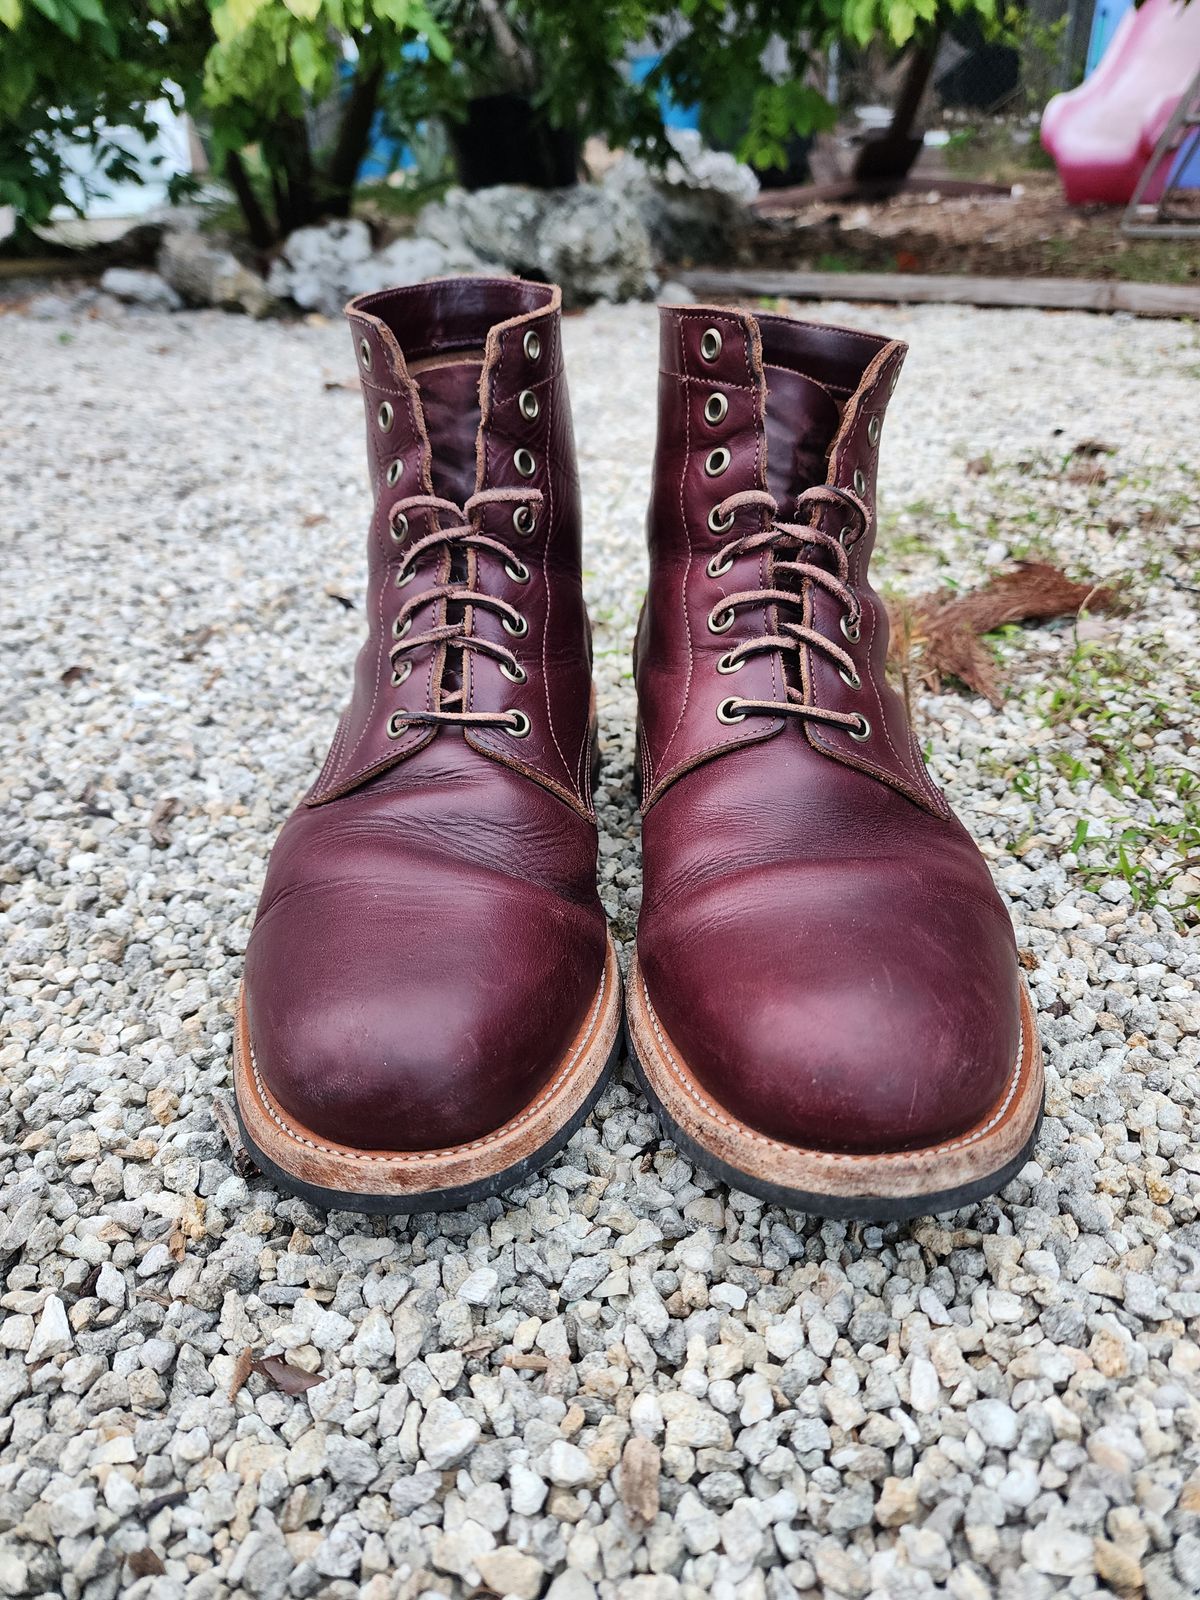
766	420
468	426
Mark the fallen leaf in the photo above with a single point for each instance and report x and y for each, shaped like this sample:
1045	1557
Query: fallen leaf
641	1463
164	810
73	674
342	383
145	1563
1088	472
177	1245
242	1369
194	641
978	466
938	635
342	600
281	1375
313	519
1094	447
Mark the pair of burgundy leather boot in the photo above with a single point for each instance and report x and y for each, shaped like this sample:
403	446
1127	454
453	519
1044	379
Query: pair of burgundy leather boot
825	1005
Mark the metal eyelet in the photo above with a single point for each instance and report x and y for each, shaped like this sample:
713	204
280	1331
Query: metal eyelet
532	345
716	461
364	353
405	576
520	725
399	629
725	712
395	726
402	673
398	527
860	481
524	462
716	408
718	567
517	571
851	679
385	416
394	472
719	524
730	663
845	537
710	344
518	629
527	403
850	628
524	521
514	674
874	429
715	624
863	731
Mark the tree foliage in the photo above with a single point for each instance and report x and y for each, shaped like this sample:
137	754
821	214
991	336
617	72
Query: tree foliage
285	91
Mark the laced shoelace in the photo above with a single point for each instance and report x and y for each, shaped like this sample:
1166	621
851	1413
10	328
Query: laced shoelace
462	535
781	540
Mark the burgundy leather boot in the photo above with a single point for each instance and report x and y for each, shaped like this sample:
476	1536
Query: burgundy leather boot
431	998
825	1005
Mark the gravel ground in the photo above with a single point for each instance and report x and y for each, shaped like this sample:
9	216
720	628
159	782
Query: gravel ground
623	1380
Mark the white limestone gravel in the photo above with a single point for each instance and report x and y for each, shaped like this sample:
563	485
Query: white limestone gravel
1001	1402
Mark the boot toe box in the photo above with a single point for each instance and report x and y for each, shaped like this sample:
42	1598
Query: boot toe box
882	1017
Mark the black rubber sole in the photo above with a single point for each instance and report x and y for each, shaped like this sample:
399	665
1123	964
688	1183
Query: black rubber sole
843	1208
431	1200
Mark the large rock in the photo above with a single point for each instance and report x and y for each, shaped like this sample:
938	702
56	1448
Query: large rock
321	267
139	288
695	208
589	239
205	273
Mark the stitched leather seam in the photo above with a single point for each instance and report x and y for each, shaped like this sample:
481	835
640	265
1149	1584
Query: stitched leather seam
687	571
448	1150
548	432
778	1144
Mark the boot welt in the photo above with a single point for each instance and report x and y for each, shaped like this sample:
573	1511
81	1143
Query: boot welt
340	1177
881	1187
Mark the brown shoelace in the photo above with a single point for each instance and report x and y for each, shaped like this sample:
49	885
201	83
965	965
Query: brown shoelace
461	536
783	541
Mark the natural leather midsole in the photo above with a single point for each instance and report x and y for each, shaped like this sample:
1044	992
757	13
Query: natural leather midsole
971	1155
321	1162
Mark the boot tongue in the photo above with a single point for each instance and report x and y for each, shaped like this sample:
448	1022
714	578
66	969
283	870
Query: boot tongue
802	419
450	400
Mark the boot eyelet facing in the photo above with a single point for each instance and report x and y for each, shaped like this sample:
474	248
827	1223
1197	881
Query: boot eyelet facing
519	725
514	674
398	527
730	663
717	523
851	679
874	429
861	732
396	725
524	521
845	537
399	629
720	621
716	408
524	462
401	674
717	461
518	628
726	713
527	403
364	353
532	345
395	472
385	416
717	567
851	628
710	344
517	571
860	481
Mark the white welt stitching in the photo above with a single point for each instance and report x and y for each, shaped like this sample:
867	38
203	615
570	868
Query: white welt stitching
778	1144
449	1150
